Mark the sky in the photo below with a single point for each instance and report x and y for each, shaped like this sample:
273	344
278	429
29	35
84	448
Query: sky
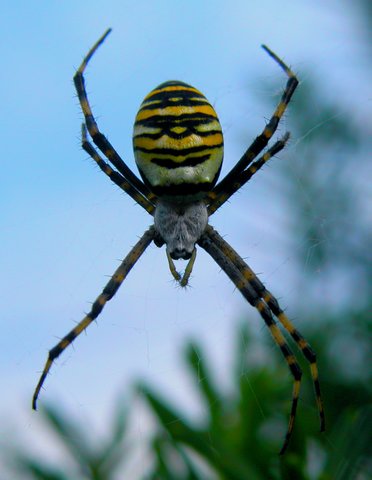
64	226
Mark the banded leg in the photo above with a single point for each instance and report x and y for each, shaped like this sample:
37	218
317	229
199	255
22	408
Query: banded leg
262	140
218	199
232	271
108	292
98	138
115	176
274	306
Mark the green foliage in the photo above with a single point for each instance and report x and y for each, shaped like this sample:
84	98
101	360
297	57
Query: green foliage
240	435
83	459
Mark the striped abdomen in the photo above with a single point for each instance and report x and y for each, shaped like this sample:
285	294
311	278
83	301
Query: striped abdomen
177	141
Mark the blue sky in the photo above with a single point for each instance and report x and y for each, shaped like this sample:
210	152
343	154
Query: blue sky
64	225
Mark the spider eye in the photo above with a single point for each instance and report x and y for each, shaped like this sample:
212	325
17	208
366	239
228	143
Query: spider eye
177	140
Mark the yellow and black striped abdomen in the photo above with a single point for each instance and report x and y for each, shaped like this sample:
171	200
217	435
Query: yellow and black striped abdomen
177	141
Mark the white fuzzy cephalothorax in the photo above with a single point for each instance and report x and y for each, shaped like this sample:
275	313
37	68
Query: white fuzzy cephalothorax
180	226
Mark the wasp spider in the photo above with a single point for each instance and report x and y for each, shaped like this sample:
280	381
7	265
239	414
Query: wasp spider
178	147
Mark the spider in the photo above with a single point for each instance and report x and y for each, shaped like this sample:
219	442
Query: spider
178	147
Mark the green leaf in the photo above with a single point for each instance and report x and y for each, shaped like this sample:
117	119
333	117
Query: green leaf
208	390
216	451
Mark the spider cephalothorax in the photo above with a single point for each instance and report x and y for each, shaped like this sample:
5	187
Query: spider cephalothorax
178	146
180	226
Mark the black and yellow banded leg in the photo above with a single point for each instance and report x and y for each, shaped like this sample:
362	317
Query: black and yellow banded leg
98	138
275	308
108	292
115	176
261	141
303	346
246	289
218	198
291	360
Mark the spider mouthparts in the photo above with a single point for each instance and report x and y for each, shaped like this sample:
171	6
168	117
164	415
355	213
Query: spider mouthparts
179	253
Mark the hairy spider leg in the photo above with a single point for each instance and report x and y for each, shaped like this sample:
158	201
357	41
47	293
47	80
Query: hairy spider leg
261	141
115	176
274	306
98	138
107	293
209	244
217	200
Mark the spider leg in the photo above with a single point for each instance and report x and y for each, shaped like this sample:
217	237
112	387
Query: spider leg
115	176
108	292
209	243
98	138
184	279
252	279
261	141
218	199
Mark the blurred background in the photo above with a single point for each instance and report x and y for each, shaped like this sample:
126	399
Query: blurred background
171	383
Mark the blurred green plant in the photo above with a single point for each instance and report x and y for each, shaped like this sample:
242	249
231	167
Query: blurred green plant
240	434
241	429
83	459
